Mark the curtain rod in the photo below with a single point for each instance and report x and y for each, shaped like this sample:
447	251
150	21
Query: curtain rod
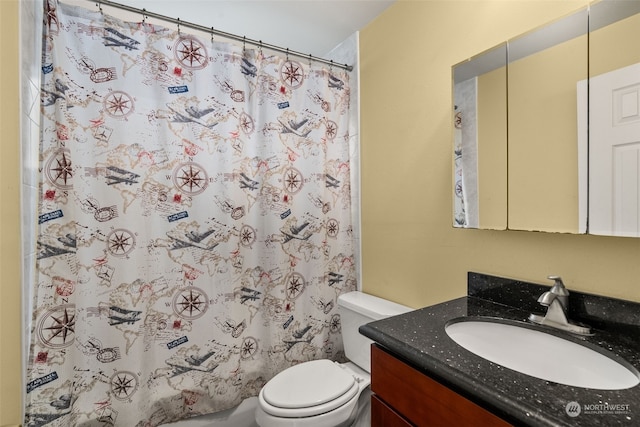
145	13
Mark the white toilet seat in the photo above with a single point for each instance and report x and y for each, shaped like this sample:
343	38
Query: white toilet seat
308	389
311	410
344	400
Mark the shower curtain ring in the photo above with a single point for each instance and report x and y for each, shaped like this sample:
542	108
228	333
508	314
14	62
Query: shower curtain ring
212	31
144	16
99	4
287	54
310	60
178	26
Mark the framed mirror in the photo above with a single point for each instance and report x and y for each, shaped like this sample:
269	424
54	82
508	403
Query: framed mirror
546	154
614	118
480	140
570	159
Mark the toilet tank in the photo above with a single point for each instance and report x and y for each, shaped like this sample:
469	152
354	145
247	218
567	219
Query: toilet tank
357	309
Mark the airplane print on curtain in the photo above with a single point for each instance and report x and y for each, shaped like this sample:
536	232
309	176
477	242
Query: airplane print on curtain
194	221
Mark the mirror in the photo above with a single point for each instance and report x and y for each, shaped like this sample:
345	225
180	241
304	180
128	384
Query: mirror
480	140
573	142
614	118
544	69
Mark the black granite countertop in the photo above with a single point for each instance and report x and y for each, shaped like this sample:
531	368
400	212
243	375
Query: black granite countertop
419	338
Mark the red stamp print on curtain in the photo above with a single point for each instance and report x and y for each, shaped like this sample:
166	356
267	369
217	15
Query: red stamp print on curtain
190	398
42	357
64	287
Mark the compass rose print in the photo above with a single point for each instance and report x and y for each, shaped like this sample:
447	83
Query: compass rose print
190	53
292	180
332	227
246	123
247	235
249	347
56	329
334	323
190	178
295	285
59	170
190	303
124	384
291	74
331	131
120	242
118	104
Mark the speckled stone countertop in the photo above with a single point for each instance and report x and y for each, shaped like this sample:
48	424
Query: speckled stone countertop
419	338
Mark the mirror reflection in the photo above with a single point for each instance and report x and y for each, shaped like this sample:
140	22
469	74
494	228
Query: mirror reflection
544	69
573	141
480	140
614	119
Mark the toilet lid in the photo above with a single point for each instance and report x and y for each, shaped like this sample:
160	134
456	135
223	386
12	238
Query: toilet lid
308	384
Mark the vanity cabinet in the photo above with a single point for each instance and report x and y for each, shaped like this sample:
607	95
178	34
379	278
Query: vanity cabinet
404	396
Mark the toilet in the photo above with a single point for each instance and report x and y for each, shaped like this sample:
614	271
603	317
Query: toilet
323	393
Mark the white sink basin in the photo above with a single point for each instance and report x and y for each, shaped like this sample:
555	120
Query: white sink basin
542	355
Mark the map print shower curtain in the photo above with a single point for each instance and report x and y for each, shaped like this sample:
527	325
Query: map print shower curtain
194	221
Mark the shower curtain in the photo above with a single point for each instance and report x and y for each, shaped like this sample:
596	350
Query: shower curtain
465	197
194	221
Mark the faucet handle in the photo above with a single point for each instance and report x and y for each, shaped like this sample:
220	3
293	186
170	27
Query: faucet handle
560	291
558	287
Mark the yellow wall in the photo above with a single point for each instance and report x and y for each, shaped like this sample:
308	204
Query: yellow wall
411	253
492	149
10	365
543	137
602	58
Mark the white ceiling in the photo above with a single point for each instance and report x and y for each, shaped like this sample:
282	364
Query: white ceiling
308	26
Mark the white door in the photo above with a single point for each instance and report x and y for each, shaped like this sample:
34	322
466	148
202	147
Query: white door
614	152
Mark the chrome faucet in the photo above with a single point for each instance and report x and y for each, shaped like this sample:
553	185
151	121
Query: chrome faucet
557	301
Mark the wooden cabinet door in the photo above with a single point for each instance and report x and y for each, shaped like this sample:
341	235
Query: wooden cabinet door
384	416
420	399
